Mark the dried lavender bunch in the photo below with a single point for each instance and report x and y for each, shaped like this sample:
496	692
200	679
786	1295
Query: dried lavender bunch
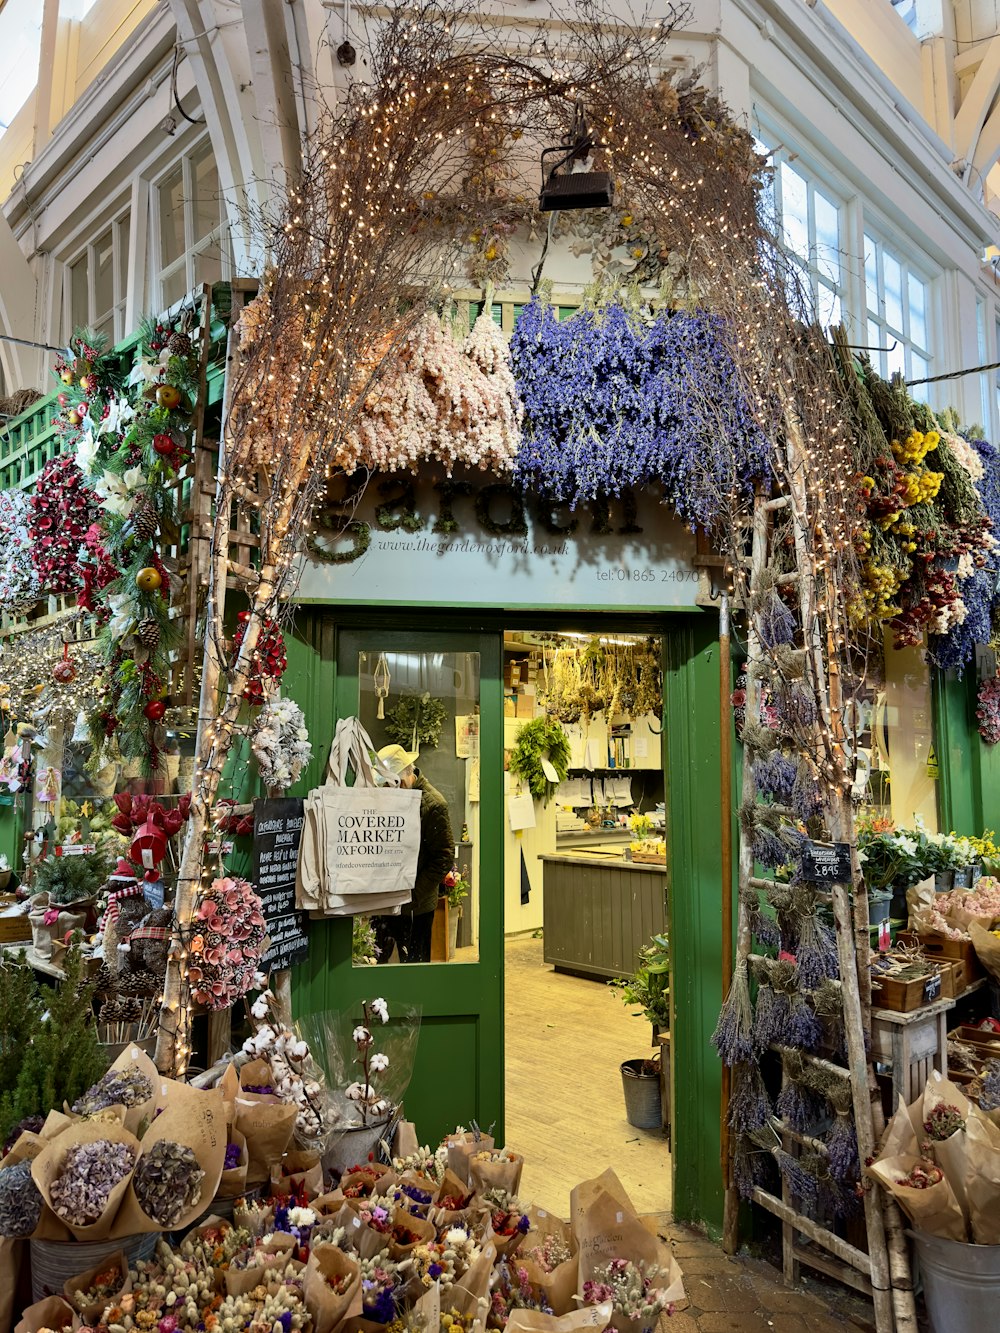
840	1198
797	705
732	1035
770	1017
803	1028
816	953
768	848
800	1107
801	1174
842	1146
749	1166
775	623
167	1182
806	796
90	1171
20	1201
749	1107
774	776
764	928
118	1087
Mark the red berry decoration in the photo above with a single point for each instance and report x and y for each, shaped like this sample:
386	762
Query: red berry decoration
154	710
269	659
61	510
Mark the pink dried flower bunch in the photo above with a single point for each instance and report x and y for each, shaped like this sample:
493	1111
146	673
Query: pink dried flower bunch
942	1121
552	1252
89	1173
922	1177
988	711
630	1290
228	941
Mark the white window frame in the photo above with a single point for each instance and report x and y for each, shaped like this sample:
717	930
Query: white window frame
194	246
884	240
120	226
781	147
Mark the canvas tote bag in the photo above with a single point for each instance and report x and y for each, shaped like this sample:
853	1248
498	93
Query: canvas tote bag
359	846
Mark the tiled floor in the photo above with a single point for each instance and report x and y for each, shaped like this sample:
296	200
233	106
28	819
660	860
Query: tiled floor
565	1038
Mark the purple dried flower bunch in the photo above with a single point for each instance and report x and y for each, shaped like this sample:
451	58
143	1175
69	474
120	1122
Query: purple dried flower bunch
89	1174
989	1098
774	777
800	1106
733	1035
749	1106
613	400
118	1087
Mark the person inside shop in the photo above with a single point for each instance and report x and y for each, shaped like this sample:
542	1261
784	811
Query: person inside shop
410	931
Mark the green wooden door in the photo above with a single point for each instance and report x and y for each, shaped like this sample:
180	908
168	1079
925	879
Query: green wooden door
458	1070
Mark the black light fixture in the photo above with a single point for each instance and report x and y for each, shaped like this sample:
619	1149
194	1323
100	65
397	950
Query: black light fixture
569	189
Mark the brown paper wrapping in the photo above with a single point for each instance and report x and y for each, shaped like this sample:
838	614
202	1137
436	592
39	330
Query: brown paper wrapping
987	948
135	1056
276	1253
934	1210
328	1205
468	1295
451	1187
232	1183
424	1231
296	1169
903	1132
53	1312
257	1074
26	1148
12	1257
607	1227
421	1182
198	1120
372	1178
360	1238
329	1310
505	1175
982	1182
55	1123
560	1285
242	1218
533	1321
267	1128
47	1165
74	1287
950	1153
461	1147
404	1143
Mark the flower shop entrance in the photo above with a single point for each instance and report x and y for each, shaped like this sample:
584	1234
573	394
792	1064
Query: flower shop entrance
448	663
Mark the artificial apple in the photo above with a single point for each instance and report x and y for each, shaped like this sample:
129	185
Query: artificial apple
154	710
67	376
148	579
163	444
168	396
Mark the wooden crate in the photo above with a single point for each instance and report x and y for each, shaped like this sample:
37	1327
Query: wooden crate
14	926
986	1042
953	980
938	946
902	997
650	858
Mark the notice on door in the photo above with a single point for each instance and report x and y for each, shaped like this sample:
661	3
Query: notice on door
277	832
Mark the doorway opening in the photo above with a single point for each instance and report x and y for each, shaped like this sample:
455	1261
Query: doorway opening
586	887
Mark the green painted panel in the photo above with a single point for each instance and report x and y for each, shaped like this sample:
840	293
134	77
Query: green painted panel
969	781
461	1039
691	726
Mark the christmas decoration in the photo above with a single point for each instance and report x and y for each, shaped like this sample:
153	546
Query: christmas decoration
269	659
281	743
20	586
61	509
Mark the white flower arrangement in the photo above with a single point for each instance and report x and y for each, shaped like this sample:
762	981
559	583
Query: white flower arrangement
372	1062
281	743
292	1069
20	586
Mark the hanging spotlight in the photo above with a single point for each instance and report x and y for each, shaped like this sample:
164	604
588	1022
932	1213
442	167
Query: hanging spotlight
569	187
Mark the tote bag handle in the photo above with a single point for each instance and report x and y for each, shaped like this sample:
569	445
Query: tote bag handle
352	748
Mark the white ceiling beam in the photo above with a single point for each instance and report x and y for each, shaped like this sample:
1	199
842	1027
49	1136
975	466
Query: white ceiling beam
975	109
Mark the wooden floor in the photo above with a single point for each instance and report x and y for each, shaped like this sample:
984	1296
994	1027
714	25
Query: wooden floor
565	1038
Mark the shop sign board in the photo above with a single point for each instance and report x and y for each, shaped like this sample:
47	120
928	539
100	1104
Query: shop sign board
467	540
277	832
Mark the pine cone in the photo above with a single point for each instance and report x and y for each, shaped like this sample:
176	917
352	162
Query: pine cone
145	524
148	634
179	344
140	983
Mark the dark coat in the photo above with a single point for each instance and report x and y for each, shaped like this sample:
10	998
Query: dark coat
437	846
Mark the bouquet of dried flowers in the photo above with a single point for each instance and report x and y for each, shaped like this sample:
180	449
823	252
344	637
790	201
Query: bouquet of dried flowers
296	1076
513	1290
167	1182
552	1252
227	943
20	1201
118	1087
629	1287
89	1174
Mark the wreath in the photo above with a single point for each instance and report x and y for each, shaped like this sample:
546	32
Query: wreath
416	718
542	738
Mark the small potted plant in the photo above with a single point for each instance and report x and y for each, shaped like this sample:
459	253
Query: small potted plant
457	886
643	1080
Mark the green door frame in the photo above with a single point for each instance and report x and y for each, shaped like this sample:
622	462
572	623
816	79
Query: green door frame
691	775
968	770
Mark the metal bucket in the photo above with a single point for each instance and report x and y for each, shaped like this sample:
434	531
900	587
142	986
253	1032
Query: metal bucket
351	1147
642	1096
961	1283
53	1262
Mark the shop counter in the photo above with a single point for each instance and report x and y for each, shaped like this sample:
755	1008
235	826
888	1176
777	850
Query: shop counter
599	910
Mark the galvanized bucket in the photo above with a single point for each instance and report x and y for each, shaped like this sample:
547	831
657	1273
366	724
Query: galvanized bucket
961	1283
642	1096
55	1261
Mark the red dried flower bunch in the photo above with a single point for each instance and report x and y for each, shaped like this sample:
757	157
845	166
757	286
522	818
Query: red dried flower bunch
60	513
269	659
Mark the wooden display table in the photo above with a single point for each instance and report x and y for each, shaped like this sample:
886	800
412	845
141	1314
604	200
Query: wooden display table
913	1044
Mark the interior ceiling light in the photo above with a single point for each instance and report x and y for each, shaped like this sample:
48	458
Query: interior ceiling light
567	184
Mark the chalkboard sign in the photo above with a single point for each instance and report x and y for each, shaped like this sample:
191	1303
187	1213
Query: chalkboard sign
277	832
153	892
827	862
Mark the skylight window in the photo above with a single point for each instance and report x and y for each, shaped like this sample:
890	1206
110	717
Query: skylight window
20	46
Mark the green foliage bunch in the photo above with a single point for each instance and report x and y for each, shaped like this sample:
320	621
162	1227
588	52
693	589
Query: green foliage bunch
49	1052
69	879
650	987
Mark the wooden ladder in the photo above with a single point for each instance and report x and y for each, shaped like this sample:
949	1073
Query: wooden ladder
882	1272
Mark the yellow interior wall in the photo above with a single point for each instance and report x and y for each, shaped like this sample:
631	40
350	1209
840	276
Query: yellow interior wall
887	41
912	790
107	26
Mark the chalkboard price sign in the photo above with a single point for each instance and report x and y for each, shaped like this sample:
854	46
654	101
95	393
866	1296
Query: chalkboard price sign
827	862
277	832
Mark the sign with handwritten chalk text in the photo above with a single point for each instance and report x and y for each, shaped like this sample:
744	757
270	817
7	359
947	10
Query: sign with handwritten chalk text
277	832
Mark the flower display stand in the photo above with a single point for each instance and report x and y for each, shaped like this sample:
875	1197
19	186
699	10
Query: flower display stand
913	1044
